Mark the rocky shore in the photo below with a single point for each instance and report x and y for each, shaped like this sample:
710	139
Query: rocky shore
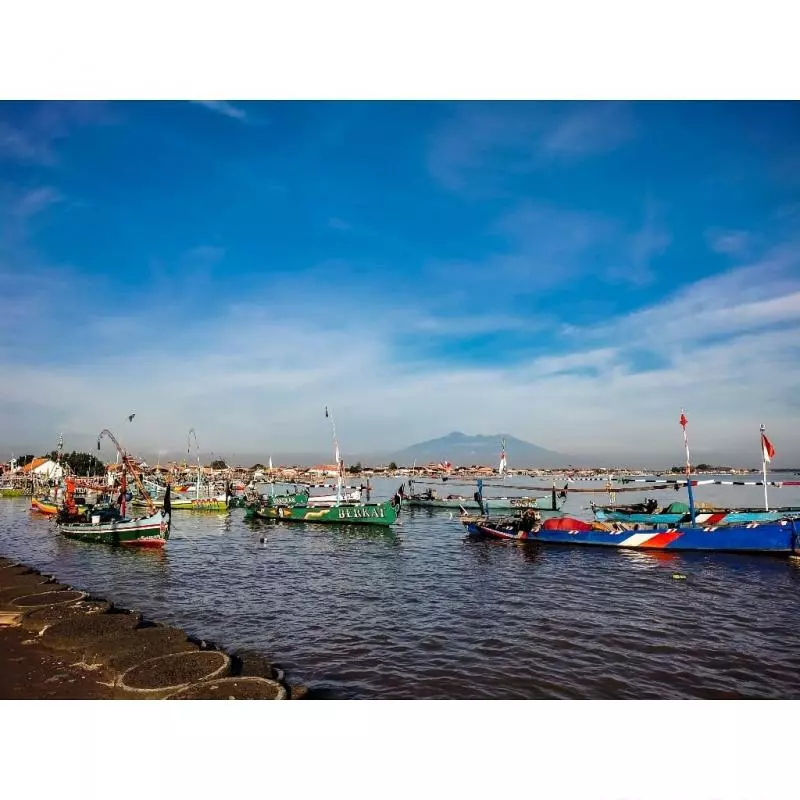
60	643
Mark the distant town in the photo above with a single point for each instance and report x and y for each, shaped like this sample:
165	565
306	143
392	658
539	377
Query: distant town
55	465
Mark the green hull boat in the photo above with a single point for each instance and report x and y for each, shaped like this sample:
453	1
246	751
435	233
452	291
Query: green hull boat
383	514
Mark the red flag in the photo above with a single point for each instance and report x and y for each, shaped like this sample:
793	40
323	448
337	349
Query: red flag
767	448
683	420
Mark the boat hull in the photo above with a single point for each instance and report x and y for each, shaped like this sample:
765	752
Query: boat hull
44	506
152	531
776	537
380	514
188	504
6	492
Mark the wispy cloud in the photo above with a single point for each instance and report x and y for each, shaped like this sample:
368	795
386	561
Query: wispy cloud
645	245
480	146
728	242
588	129
336	224
225	108
17	145
33	139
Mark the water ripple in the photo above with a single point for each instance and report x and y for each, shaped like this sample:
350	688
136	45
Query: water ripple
422	611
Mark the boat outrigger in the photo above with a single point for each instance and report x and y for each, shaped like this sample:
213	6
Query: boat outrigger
114	527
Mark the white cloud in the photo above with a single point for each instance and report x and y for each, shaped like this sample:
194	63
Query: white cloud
223	107
255	381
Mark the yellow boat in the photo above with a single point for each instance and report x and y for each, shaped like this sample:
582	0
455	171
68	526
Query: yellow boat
44	506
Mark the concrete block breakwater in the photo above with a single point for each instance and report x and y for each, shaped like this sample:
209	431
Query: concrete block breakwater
58	642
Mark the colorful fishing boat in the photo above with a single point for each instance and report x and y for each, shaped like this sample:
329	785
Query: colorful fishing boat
781	537
149	531
112	526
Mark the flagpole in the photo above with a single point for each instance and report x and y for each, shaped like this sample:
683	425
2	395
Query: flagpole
764	465
683	422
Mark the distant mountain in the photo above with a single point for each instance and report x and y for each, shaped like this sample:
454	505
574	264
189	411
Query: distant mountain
463	450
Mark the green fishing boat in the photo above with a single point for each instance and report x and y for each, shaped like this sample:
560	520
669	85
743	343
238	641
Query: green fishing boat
384	514
335	509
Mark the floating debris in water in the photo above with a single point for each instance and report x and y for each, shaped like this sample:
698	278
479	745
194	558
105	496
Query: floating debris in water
676	576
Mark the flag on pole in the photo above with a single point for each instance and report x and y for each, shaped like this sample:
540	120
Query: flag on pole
326	412
766	446
683	421
130	418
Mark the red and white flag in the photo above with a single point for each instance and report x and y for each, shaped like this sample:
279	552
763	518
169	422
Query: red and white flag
766	447
683	421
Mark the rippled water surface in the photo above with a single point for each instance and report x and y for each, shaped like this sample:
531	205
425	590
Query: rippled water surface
421	612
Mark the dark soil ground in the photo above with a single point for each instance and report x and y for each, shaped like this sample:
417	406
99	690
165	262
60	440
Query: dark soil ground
34	672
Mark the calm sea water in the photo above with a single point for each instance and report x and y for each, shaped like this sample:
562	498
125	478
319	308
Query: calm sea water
421	612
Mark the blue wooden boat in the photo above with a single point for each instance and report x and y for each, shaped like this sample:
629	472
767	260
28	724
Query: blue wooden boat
781	536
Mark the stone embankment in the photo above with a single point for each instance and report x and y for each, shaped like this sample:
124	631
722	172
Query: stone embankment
58	642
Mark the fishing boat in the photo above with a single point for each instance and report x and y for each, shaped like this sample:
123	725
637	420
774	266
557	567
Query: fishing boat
781	537
478	502
114	527
674	513
214	503
302	508
383	514
348	494
44	505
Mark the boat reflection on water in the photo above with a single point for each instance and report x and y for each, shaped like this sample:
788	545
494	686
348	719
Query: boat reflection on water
649	558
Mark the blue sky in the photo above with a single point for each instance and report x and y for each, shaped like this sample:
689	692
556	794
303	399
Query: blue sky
572	273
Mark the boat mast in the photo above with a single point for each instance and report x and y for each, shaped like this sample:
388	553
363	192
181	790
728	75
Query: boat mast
127	462
271	478
337	456
189	451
